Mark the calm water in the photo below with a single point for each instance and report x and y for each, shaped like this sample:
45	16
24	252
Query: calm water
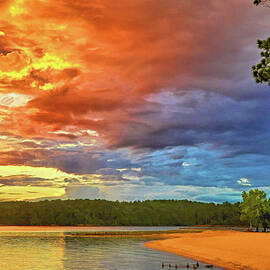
53	251
84	229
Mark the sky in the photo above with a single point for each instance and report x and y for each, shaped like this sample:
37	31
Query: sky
132	100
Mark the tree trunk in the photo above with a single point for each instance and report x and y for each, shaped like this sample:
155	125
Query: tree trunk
257	228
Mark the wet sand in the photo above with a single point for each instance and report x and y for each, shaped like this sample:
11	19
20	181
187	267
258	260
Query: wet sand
226	249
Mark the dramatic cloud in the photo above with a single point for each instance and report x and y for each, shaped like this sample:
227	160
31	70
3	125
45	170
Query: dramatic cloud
98	97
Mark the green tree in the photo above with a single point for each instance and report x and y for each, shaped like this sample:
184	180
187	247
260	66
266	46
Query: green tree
261	2
265	219
253	207
257	2
261	71
101	212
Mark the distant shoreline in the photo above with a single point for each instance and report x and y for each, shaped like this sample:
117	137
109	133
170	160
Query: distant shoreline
227	249
89	230
81	231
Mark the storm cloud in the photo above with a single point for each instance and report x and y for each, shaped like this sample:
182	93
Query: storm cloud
140	95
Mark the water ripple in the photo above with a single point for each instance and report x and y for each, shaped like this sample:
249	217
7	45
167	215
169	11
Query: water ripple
39	252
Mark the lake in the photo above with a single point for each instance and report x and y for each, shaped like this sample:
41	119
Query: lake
51	249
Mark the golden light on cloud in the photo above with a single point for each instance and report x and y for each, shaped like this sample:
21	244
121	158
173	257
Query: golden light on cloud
17	8
27	182
19	193
52	61
46	86
43	172
84	85
14	65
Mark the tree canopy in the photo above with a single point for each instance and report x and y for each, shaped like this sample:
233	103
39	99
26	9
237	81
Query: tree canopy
111	213
252	207
254	211
257	2
255	208
261	71
261	2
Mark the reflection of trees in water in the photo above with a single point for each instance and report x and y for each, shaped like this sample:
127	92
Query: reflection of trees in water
27	250
53	251
113	253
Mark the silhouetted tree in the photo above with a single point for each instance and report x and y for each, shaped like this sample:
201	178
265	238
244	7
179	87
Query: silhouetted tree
261	71
262	2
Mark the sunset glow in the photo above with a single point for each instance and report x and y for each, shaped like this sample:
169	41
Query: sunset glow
131	99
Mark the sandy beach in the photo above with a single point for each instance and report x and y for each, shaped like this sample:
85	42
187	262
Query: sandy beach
227	249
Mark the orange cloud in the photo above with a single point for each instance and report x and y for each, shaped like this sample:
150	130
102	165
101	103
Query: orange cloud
71	66
100	56
85	64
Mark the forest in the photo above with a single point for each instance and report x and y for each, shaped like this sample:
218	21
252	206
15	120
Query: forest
115	213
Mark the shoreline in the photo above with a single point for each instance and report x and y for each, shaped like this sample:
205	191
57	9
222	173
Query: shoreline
76	231
72	231
229	249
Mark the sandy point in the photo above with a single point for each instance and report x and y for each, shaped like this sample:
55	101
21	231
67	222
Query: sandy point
227	249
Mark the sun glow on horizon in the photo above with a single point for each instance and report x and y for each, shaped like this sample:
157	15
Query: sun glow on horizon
27	182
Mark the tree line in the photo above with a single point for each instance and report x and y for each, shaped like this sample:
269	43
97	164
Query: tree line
115	213
253	211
